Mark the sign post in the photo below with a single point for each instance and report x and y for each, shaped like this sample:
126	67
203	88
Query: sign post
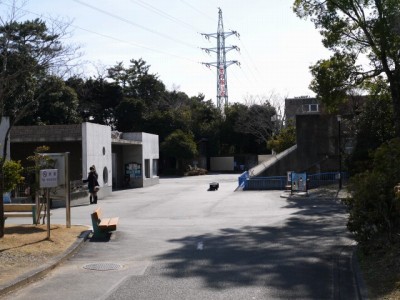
48	179
67	190
62	164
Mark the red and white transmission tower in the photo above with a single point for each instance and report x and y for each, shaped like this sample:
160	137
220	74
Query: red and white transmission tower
221	64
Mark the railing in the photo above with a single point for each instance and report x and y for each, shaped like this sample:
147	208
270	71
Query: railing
78	189
265	183
280	182
321	179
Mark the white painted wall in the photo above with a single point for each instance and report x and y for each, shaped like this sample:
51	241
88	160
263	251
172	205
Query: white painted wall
96	150
150	145
150	149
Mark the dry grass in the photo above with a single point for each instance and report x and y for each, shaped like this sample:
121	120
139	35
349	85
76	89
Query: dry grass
26	247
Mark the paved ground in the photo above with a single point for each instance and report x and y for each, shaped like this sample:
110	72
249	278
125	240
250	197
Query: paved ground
177	240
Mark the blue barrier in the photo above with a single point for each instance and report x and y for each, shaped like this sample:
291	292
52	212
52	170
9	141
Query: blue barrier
265	183
242	178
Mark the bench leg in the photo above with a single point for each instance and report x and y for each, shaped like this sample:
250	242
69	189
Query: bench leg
99	234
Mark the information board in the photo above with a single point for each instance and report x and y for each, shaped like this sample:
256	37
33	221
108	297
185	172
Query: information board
299	182
48	178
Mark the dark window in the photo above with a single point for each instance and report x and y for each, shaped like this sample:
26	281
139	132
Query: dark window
314	107
147	168
105	175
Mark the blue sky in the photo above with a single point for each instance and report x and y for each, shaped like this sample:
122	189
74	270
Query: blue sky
277	48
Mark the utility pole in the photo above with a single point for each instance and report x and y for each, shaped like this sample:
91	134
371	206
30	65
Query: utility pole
221	64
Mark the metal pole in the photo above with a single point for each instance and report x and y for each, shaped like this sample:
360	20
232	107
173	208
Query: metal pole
67	191
340	155
48	212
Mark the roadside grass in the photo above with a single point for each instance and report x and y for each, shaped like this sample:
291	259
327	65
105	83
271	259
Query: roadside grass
381	271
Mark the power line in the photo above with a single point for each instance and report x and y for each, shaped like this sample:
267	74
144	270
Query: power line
134	24
252	64
197	10
114	38
107	36
251	60
164	14
134	44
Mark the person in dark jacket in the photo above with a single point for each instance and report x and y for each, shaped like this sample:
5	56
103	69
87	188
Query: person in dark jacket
93	184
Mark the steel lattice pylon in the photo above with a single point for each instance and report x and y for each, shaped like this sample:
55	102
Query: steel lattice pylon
221	64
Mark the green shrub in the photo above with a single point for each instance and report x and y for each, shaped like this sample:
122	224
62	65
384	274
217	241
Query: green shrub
196	172
12	174
284	140
374	209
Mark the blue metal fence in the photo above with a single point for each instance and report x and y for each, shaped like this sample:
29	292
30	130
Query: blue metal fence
265	183
280	182
321	179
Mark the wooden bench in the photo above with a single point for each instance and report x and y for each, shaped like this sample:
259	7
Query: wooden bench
21	210
102	226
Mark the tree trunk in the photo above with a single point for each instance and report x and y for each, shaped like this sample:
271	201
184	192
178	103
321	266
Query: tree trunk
2	160
395	91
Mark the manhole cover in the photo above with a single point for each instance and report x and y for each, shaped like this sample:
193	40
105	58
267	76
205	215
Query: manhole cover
102	266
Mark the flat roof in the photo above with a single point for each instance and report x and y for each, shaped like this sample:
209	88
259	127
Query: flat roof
125	142
46	133
56	133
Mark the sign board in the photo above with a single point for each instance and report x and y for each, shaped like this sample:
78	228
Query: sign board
133	169
48	178
59	164
299	182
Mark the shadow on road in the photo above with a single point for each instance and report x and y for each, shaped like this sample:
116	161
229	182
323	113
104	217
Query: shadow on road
298	255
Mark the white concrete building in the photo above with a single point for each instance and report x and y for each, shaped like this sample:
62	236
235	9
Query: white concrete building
122	160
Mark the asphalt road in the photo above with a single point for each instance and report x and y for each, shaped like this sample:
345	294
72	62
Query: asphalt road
177	240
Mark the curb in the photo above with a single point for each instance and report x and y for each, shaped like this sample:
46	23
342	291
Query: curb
361	288
38	273
362	292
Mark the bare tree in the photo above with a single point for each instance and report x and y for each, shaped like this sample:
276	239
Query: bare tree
30	50
263	118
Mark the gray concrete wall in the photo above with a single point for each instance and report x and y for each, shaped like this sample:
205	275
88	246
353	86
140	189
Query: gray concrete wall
118	166
296	106
317	147
288	162
317	141
20	151
222	163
